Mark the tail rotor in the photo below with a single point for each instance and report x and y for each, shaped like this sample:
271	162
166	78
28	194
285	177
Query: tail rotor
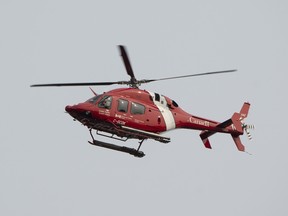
247	128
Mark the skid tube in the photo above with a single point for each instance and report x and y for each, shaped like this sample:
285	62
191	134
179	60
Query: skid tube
125	149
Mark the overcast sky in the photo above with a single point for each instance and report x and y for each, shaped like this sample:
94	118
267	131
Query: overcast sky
48	168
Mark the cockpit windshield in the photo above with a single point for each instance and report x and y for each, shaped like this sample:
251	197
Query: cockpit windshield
94	99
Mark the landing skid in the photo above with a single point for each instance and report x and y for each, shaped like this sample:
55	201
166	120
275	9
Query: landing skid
125	149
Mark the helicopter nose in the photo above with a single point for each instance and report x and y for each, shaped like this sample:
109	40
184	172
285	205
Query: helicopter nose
72	110
77	110
69	108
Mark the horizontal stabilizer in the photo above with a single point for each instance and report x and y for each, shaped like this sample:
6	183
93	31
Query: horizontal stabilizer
205	134
205	141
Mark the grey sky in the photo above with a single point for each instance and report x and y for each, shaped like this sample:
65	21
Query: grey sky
48	168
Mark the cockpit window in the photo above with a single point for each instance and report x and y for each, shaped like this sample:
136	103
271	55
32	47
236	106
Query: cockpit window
122	105
137	108
105	102
94	99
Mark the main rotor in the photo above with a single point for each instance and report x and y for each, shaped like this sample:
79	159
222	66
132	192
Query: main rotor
133	82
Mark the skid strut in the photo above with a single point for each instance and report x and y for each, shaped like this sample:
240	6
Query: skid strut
125	149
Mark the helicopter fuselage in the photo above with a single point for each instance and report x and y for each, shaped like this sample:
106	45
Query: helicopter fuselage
137	109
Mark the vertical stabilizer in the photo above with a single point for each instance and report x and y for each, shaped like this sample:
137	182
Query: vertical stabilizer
244	110
238	143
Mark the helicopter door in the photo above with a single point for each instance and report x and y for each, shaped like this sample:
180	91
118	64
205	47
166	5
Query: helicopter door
121	112
137	112
137	109
122	106
105	106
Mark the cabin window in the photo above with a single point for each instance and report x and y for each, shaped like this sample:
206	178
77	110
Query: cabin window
105	102
122	105
137	108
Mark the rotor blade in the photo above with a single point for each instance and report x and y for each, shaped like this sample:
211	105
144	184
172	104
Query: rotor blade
191	75
79	84
126	62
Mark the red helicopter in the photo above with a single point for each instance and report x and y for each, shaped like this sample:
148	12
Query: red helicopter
132	113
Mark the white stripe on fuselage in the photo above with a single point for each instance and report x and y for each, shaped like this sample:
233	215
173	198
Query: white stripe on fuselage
165	111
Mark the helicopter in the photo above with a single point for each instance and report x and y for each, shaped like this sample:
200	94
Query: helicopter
133	113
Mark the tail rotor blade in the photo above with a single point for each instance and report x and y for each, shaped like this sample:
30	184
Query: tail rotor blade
248	134
246	128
